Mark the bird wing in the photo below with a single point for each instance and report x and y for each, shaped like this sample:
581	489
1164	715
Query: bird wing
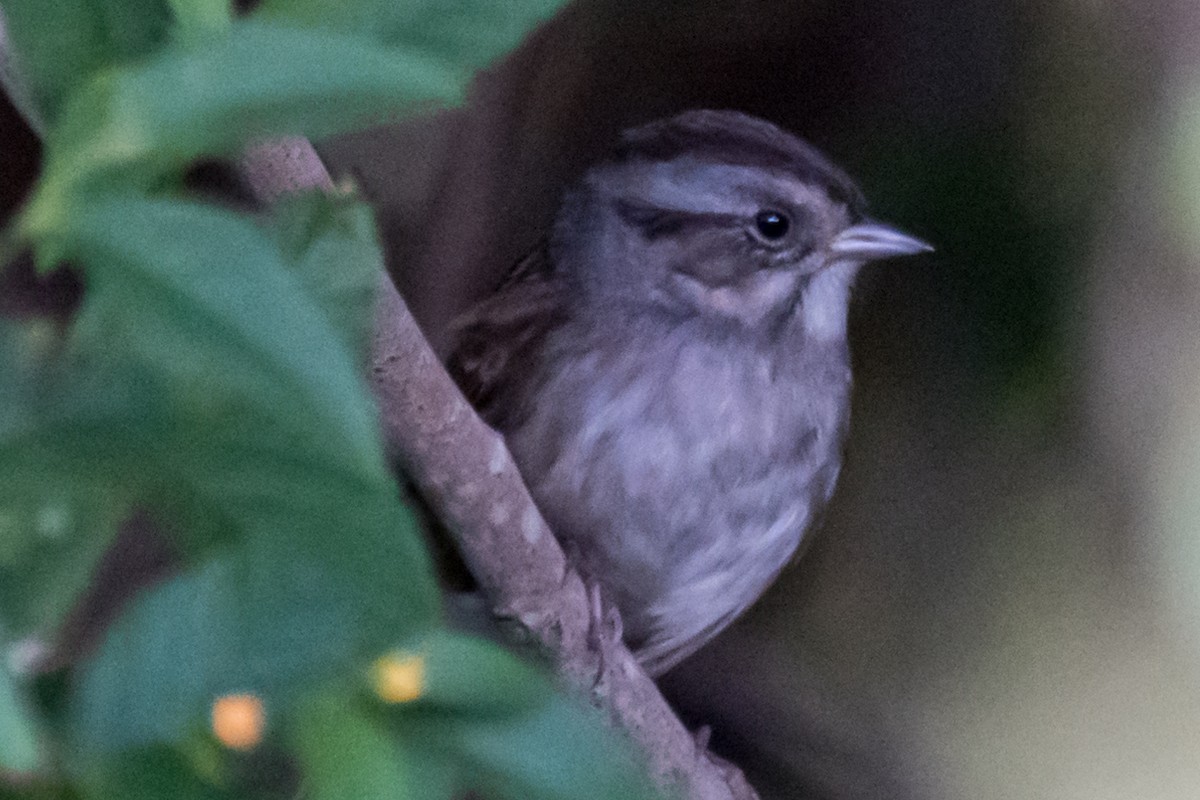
497	343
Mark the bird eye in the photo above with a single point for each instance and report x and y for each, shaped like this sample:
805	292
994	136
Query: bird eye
773	225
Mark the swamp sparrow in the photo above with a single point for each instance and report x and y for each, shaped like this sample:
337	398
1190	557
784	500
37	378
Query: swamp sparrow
671	370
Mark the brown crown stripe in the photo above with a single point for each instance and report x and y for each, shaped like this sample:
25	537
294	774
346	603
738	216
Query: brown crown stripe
730	137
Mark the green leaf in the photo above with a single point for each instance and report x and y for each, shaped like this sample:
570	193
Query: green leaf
153	773
479	678
270	420
203	297
346	754
136	125
266	617
60	44
62	489
65	536
330	242
256	620
468	33
19	750
198	20
510	729
270	436
561	751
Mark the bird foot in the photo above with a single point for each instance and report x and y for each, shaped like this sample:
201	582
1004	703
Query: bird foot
605	629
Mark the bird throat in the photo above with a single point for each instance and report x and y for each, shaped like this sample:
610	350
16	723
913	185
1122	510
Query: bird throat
825	301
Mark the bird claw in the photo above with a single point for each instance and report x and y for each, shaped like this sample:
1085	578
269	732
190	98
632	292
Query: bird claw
605	629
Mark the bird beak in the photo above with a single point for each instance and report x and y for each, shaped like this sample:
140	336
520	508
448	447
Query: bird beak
870	241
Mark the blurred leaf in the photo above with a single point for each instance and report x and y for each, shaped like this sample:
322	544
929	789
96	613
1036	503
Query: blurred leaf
196	20
133	126
271	426
468	33
344	754
203	297
60	44
509	729
561	751
330	241
153	773
272	422
18	737
71	532
479	678
512	730
58	510
256	620
65	452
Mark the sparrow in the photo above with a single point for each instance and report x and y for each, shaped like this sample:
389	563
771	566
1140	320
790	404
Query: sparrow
671	371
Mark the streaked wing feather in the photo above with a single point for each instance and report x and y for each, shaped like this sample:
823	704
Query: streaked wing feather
498	341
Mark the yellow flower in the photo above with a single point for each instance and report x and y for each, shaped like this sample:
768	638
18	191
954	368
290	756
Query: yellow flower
399	677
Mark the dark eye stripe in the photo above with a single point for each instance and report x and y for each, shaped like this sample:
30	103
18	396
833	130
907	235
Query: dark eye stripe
651	221
654	222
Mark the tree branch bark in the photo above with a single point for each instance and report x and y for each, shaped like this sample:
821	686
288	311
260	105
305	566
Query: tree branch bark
466	473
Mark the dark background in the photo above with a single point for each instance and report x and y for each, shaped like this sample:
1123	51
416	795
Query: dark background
1003	601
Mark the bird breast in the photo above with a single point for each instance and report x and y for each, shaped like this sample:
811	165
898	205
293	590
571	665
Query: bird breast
682	471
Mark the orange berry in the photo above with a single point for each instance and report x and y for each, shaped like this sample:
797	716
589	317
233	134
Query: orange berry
238	720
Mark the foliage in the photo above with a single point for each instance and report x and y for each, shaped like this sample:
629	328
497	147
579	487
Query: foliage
212	377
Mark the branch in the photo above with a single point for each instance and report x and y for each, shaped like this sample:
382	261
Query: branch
466	473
